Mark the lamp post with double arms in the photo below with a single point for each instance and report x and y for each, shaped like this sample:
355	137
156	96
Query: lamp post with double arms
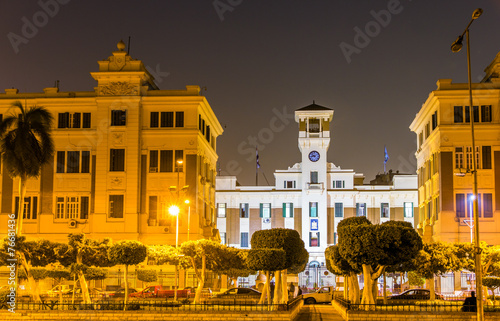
455	47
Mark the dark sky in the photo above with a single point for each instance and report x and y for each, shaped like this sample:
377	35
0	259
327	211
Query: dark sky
260	59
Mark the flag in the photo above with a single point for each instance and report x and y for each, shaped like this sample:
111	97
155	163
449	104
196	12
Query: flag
386	156
257	157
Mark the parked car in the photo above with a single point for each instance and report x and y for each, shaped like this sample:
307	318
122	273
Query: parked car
58	289
159	291
323	295
205	292
120	293
235	295
415	294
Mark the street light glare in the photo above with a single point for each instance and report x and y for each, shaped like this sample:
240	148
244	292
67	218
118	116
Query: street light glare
186	201
173	210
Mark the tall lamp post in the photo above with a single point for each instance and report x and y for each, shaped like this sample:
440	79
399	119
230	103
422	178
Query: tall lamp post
189	216
455	47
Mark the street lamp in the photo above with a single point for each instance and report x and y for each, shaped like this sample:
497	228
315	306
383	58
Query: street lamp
174	210
455	47
189	216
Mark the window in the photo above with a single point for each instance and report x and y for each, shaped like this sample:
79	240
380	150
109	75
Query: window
459	114
207	133
434	120
314	126
313	209
153	161
73	162
153	119
73	120
476	114
72	207
86	120
467	114
420	139
244	239
460	205
265	210
339	184
360	209
427	130
166	161
167	119
287	209
459	157
244	210
408	208
314	177
116	206
118	117
117	160
339	210
289	184
486	114
222	238
487	205
221	210
384	210
179	119
486	157
313	239
468	157
30	207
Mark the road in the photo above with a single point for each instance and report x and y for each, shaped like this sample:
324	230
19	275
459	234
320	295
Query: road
318	312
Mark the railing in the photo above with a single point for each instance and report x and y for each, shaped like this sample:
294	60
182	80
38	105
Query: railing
417	306
157	305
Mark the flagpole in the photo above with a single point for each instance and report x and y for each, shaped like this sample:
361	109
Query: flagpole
257	165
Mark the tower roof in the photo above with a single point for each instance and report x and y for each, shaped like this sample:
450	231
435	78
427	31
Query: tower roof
313	106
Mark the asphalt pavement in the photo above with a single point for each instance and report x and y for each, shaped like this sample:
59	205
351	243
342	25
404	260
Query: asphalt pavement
318	312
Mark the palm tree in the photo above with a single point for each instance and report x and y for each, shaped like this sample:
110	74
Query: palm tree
26	145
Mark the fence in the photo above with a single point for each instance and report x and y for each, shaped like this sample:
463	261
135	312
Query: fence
416	306
156	305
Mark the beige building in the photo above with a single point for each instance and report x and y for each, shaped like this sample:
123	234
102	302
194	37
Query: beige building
122	152
444	159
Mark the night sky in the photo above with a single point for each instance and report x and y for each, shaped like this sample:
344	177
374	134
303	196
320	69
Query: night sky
261	60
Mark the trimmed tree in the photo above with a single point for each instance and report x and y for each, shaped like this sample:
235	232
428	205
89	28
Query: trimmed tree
374	247
147	276
336	264
128	252
232	262
203	255
266	260
296	256
491	283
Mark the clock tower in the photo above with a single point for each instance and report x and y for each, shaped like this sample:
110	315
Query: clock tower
314	140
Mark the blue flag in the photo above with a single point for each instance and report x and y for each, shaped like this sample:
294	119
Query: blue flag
386	157
257	157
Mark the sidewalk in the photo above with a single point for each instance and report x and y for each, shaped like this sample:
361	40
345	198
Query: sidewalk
318	312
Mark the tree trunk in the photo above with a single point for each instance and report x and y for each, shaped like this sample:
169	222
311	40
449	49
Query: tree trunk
83	282
384	291
31	281
277	287
367	289
353	278
265	290
20	209
432	288
125	301
346	287
176	282
201	278
284	289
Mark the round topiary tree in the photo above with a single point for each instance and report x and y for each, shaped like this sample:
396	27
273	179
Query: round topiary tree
147	276
128	252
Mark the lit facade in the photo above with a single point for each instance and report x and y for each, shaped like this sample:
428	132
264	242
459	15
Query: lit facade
312	197
117	168
444	159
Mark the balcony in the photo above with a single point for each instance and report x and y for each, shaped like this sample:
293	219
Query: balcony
315	186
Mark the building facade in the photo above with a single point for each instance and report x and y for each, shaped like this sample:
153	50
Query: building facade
312	197
444	159
125	152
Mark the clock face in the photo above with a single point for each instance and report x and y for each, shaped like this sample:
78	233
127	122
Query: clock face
314	156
